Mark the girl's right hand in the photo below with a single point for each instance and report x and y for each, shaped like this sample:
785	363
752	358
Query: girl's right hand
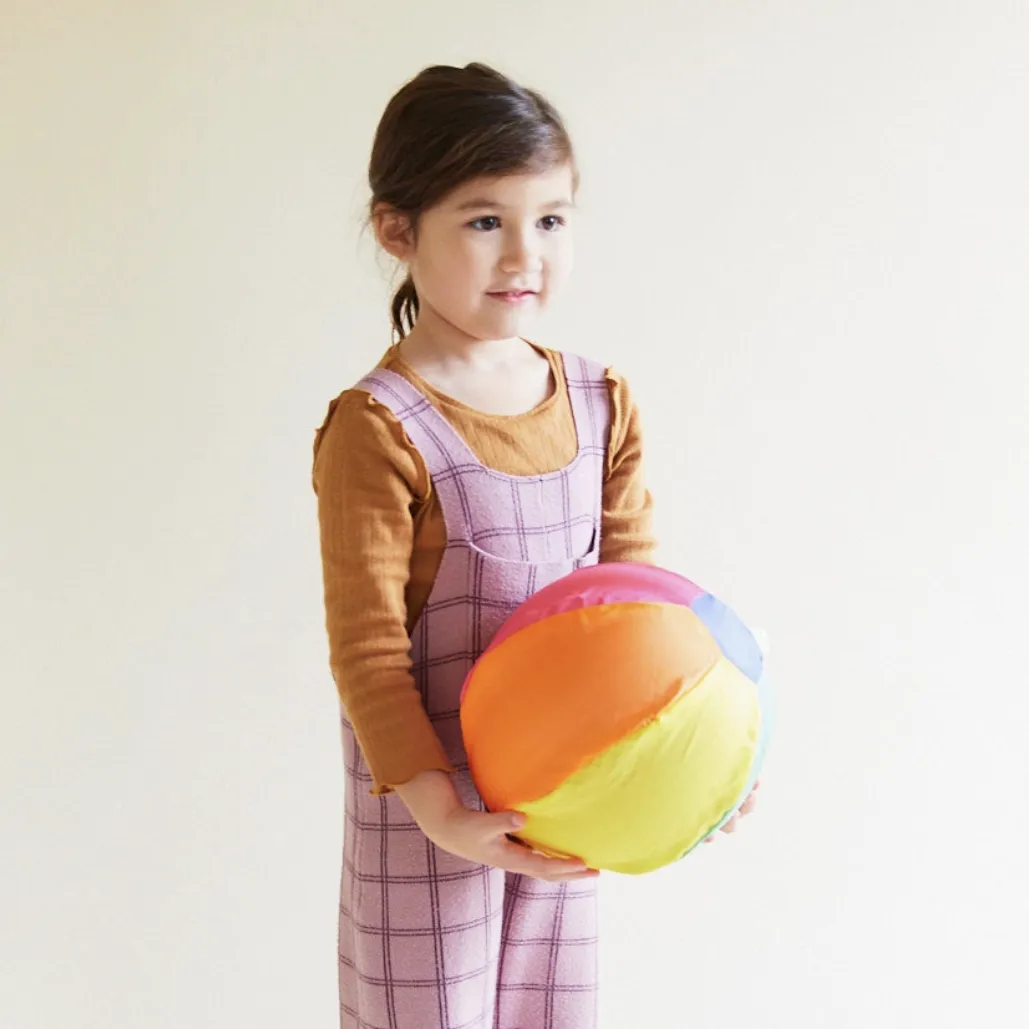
483	838
479	836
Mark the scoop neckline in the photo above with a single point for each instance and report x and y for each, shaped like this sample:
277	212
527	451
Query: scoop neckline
552	358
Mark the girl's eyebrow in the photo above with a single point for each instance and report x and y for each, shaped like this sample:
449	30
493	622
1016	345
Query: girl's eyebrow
478	203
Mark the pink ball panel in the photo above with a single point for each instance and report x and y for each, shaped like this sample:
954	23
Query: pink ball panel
612	583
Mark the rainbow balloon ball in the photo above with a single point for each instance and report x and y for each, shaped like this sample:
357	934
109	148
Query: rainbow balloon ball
624	711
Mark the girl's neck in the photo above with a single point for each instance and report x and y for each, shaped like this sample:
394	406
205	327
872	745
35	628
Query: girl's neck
495	377
432	345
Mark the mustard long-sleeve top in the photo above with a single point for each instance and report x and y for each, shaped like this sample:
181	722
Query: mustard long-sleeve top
383	536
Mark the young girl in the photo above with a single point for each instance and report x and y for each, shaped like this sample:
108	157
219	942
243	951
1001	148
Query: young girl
468	470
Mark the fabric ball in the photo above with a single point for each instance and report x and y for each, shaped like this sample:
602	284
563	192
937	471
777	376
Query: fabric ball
624	711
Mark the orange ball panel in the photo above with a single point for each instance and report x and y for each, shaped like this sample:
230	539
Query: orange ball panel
549	699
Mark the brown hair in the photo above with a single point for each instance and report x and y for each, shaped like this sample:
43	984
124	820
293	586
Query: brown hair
448	126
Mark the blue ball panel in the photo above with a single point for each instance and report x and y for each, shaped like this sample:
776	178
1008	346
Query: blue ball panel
734	638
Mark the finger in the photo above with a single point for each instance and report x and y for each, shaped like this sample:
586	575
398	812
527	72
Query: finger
541	867
547	855
545	867
548	875
518	856
748	805
730	826
505	824
554	857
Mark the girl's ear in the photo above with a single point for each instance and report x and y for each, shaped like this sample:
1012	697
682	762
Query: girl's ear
394	232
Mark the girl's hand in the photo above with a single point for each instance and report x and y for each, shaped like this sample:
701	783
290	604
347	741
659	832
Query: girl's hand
745	809
483	838
478	836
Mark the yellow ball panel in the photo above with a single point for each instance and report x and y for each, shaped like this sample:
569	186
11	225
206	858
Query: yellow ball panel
646	800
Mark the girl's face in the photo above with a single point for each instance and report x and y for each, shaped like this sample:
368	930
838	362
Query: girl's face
488	258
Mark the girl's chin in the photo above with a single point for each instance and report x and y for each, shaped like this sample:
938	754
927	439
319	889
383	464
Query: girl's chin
499	321
511	321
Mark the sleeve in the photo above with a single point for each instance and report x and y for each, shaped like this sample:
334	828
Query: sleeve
626	533
368	480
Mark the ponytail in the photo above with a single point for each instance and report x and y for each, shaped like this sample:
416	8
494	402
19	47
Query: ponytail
404	308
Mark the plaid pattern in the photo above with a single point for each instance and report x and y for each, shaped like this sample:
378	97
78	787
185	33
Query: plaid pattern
427	940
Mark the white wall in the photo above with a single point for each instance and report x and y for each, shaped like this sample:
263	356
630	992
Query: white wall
804	236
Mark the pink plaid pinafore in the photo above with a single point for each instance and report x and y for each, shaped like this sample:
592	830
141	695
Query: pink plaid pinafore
427	940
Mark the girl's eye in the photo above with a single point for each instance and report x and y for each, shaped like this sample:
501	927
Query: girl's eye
552	222
487	224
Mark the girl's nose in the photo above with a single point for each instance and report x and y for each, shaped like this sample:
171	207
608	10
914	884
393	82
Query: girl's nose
521	253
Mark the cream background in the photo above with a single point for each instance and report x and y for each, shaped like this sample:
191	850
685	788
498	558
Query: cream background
803	236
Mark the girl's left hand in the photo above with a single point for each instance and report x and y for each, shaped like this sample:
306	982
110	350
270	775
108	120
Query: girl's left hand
745	809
